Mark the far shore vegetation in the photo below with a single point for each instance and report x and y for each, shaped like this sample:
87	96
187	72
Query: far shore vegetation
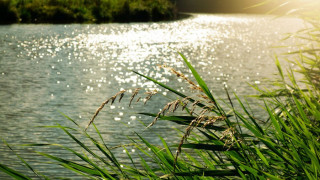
85	11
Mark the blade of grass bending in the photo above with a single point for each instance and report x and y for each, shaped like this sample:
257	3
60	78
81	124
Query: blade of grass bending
137	173
233	109
13	173
103	148
147	168
156	159
96	167
257	126
193	161
74	165
110	156
21	159
161	84
273	147
128	154
89	176
274	122
57	127
100	147
161	158
166	147
244	166
213	173
88	150
170	89
208	147
200	81
69	119
184	120
279	68
210	135
215	158
205	159
174	118
165	159
261	156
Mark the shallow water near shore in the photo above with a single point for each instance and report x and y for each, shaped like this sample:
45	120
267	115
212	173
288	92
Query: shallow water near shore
47	69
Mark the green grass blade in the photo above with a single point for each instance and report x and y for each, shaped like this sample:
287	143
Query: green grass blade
168	88
22	160
162	85
11	172
184	120
200	81
209	147
262	157
73	165
213	173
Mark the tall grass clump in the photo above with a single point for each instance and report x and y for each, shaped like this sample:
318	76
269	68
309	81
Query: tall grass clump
218	140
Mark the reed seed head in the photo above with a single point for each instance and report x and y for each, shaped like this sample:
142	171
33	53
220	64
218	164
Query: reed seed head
182	76
135	92
149	95
112	99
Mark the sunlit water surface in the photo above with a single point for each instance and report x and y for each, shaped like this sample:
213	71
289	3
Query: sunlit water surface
48	69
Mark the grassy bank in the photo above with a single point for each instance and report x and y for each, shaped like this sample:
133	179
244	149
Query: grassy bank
85	11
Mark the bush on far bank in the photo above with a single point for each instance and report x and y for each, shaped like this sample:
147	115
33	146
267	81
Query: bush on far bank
85	11
7	11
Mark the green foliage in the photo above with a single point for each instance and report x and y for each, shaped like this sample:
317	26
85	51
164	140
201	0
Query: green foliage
79	11
8	11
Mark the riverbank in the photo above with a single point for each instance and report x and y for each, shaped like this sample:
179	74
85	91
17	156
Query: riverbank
74	11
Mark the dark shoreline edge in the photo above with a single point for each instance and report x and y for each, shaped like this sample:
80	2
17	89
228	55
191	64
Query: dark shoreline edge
180	16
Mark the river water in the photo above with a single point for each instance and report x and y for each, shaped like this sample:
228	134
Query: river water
48	69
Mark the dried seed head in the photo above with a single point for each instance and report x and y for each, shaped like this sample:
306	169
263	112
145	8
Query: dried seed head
174	105
121	96
121	93
194	123
203	111
166	108
184	106
185	102
135	92
113	98
182	76
155	119
196	88
213	119
149	95
228	134
193	106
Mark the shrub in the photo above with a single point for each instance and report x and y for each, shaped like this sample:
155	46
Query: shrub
68	11
56	14
8	13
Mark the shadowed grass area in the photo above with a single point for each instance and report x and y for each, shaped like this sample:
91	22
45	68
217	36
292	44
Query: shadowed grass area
86	11
219	141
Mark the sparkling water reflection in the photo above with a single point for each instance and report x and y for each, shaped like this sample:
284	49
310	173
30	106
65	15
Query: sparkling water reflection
47	69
